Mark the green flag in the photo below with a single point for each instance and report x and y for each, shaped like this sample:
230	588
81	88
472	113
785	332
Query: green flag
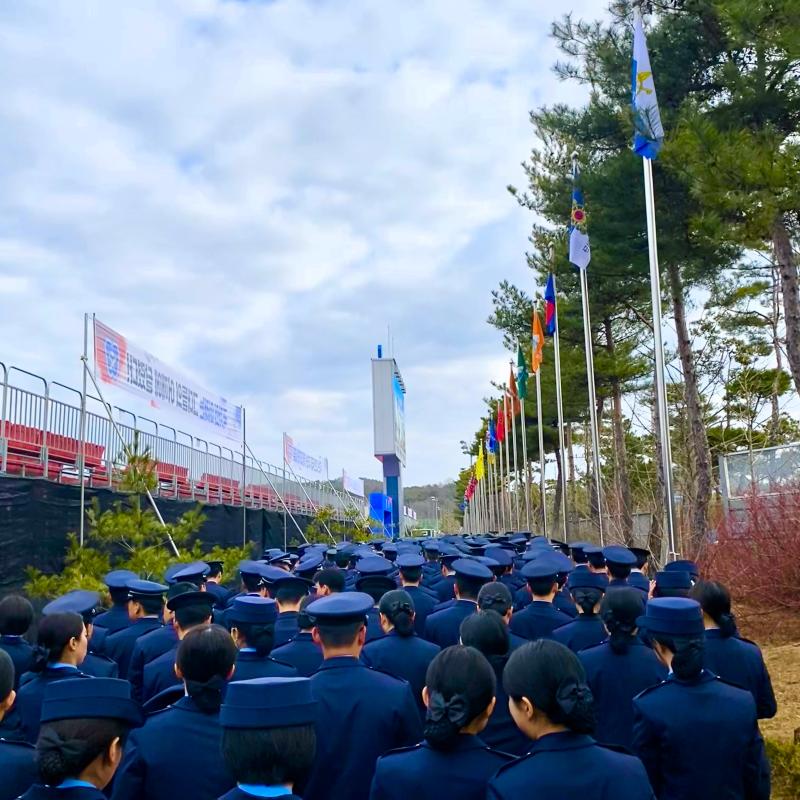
522	374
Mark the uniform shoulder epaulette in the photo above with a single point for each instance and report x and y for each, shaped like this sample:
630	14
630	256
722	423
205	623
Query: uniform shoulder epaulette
398	750
591	646
616	748
278	661
748	641
387	674
651	689
18	742
102	657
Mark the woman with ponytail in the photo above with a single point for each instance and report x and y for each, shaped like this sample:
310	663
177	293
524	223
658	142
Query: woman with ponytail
83	730
587	590
400	652
618	669
452	761
734	659
552	705
696	734
60	650
177	753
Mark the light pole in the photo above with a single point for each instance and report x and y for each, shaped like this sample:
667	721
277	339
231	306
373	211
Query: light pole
435	508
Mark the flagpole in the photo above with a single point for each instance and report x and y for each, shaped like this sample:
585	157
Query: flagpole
501	481
517	524
541	445
655	129
525	466
559	404
508	461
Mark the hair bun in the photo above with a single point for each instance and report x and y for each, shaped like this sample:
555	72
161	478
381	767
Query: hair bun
455	710
571	695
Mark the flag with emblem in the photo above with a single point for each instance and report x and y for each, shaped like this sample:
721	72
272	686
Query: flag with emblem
550	306
522	374
649	133
537	342
480	464
580	253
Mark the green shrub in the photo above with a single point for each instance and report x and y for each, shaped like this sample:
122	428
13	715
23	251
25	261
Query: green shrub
785	760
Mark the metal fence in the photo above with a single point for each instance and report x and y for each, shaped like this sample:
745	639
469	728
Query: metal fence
40	436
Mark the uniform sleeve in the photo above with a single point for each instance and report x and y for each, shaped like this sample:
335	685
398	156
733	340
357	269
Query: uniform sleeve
380	789
136	672
757	783
409	729
430	631
646	745
131	777
492	792
766	705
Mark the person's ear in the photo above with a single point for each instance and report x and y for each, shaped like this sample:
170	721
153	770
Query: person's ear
362	636
178	672
315	637
7	703
425	696
508	615
230	674
525	707
113	754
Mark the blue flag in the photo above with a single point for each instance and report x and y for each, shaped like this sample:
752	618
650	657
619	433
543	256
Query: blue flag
491	437
580	254
550	306
649	133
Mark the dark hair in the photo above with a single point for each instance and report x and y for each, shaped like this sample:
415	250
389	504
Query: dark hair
16	615
496	597
461	685
586	598
375	589
579	557
687	653
205	658
468	588
398	607
619	610
619	571
293	592
269	756
251	582
541	586
257	635
55	632
67	746
552	678
340	634
151	603
304	622
715	600
192	615
119	596
214	570
488	633
676	591
332	578
6	675
411	574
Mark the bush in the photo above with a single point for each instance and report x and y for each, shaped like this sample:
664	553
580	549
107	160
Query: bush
785	760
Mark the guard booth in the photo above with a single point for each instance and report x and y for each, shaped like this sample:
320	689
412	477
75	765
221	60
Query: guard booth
380	514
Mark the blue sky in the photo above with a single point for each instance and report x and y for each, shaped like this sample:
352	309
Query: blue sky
254	191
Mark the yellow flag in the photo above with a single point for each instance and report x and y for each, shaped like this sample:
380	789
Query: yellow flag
480	469
537	342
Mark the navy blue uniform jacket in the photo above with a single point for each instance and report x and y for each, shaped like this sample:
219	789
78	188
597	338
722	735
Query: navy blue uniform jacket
361	714
424	773
501	733
237	794
18	770
374	629
20	652
740	662
39	792
31	694
699	739
443	627
221	594
251	665
113	620
538	620
570	766
176	754
301	653
406	657
445	588
586	630
159	674
285	628
99	666
615	679
564	603
424	604
119	645
148	648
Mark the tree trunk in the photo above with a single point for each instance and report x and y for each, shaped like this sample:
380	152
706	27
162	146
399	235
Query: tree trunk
791	301
694	410
655	542
620	448
775	318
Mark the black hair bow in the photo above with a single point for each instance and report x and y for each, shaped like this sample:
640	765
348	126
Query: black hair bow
570	694
455	710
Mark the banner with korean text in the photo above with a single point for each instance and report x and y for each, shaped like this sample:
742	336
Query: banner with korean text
304	465
118	362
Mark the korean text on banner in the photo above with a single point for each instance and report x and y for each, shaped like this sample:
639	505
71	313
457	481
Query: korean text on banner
304	465
121	363
354	486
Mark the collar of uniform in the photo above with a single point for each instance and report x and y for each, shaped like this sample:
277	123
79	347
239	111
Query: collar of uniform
186	703
566	740
705	676
464	602
302	636
464	741
587	617
540	605
713	633
7	638
249	654
264	791
288	615
340	661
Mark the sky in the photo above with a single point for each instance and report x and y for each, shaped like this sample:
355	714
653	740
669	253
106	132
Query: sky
255	191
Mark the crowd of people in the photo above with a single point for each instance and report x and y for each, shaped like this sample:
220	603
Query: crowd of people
498	666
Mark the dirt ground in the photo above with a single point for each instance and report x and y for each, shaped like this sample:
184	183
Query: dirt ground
783	662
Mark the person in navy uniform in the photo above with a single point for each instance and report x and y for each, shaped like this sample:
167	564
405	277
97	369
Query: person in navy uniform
301	652
17	759
552	705
362	713
328	581
189	609
252	621
696	734
496	596
374	578
425	600
443	627
540	618
145	607
214	584
268	736
620	562
194	573
16	618
446	583
84	727
117	617
673	583
61	648
587	590
177	752
488	634
85	603
288	591
734	659
619	669
684	565
452	760
400	652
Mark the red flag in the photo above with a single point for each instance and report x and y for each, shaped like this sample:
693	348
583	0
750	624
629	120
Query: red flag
500	427
512	383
